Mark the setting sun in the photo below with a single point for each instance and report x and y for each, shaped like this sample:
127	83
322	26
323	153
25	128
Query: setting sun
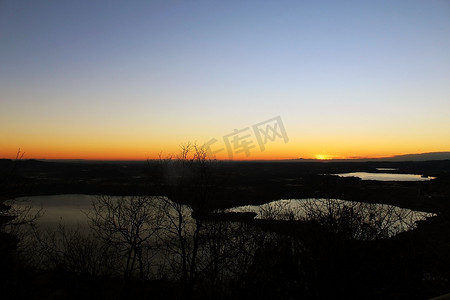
233	77
323	156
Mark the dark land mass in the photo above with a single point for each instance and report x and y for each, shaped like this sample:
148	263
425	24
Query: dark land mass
305	260
239	183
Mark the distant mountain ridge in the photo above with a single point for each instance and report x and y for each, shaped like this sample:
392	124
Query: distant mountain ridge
405	157
419	157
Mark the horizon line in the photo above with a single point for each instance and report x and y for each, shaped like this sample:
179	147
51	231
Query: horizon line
351	158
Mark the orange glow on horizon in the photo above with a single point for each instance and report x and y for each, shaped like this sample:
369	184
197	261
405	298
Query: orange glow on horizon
142	153
128	147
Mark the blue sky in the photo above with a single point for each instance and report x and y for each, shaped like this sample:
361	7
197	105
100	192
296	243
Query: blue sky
156	73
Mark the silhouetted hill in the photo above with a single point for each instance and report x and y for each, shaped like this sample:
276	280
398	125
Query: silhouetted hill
420	157
406	157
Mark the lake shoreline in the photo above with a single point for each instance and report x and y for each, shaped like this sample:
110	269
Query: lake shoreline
247	183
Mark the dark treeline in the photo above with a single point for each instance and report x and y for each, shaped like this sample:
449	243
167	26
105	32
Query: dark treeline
242	182
181	244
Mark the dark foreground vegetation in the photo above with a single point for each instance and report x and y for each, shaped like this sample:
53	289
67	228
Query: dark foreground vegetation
183	245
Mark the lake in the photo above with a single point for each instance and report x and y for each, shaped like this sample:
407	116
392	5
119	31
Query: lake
68	209
72	210
386	176
391	218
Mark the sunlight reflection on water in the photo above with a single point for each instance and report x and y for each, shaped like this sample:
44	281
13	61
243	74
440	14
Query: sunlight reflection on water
386	176
72	210
396	218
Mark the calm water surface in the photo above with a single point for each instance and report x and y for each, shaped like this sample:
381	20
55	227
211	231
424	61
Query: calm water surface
396	218
73	209
386	176
67	209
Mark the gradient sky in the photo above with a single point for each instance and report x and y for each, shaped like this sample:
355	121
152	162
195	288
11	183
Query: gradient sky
129	79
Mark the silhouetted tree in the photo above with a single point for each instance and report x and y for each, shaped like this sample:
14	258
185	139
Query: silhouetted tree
130	225
74	250
187	183
9	261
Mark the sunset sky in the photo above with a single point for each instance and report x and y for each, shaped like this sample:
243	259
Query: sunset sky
131	79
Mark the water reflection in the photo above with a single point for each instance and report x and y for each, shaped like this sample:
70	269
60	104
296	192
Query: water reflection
388	219
73	210
386	176
69	209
